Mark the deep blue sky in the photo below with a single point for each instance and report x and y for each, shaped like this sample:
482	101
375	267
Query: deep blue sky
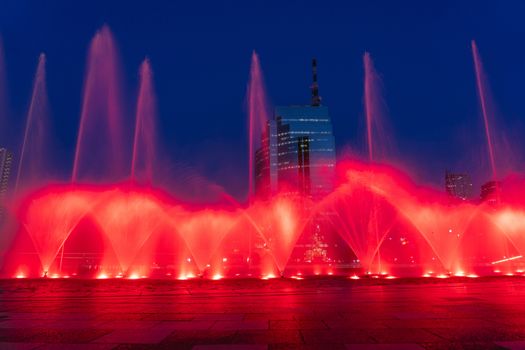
200	53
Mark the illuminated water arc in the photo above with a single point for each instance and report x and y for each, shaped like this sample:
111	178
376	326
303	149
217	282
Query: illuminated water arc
484	109
34	119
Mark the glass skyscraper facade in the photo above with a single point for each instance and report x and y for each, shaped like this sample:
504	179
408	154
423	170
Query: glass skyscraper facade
305	150
458	185
297	153
6	159
266	162
297	156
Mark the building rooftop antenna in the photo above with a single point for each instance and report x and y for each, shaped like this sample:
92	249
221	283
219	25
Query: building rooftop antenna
316	99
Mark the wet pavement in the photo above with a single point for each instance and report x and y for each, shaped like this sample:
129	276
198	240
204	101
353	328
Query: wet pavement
323	313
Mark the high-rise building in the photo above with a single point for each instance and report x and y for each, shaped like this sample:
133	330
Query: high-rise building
490	191
297	151
6	159
266	162
297	156
458	185
305	150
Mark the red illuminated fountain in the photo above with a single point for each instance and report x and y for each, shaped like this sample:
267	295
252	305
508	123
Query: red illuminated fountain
144	141
419	230
111	222
258	114
31	171
4	109
486	106
100	154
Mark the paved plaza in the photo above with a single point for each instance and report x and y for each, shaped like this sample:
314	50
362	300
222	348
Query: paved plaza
323	313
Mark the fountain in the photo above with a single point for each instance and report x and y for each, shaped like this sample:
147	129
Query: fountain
370	222
486	107
33	151
100	154
4	108
258	115
144	148
112	222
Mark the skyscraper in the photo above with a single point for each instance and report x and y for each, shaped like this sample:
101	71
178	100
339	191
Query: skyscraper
297	151
266	162
305	150
297	156
6	159
490	191
458	185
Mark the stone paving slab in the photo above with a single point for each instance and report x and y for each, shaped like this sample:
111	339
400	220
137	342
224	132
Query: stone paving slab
18	346
185	325
322	313
400	346
135	336
512	345
230	347
240	325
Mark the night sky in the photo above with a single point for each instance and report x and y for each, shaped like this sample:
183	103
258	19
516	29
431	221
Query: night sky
200	53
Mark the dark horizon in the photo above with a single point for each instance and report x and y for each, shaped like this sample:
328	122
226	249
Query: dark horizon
200	57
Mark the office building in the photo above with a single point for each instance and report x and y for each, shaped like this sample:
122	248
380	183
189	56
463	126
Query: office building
6	159
490	192
297	153
458	185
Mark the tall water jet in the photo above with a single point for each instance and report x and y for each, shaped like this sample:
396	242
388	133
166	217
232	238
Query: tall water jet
374	109
484	100
144	147
368	104
258	115
100	151
33	150
378	141
4	108
5	141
